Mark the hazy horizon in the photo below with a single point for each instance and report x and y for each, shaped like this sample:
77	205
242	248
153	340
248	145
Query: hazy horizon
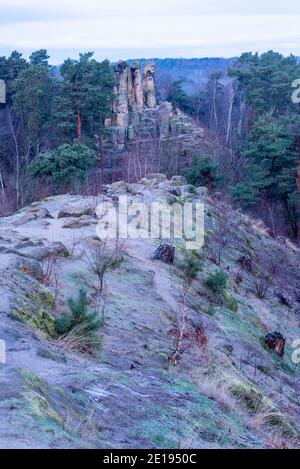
131	29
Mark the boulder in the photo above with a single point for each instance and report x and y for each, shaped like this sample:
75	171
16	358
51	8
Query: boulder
187	190
165	252
40	212
74	210
246	263
160	177
178	181
202	191
33	213
135	188
39	251
29	266
145	181
118	187
275	341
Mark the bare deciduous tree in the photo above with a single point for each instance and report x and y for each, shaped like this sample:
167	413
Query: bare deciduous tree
101	257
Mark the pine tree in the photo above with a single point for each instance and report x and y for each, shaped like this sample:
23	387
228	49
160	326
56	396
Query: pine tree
271	167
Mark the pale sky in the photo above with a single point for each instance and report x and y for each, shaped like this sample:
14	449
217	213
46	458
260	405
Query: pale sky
121	29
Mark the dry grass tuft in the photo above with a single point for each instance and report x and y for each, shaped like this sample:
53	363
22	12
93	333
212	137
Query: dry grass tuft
80	339
216	388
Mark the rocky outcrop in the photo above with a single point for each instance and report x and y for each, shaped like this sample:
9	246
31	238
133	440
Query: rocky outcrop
150	95
276	341
75	210
142	125
137	93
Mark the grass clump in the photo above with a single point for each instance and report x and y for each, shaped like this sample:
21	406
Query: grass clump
247	395
51	405
267	417
230	301
38	399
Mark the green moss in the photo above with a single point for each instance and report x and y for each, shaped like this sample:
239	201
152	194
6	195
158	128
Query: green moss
37	397
230	301
42	298
49	299
264	369
36	312
39	318
210	310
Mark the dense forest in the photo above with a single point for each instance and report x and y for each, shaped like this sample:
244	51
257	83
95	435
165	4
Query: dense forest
53	128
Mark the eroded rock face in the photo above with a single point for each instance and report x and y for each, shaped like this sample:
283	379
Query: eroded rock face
121	91
137	86
149	84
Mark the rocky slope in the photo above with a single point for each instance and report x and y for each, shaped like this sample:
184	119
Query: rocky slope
226	388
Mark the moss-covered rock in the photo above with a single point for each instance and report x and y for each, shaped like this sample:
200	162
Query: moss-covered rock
36	311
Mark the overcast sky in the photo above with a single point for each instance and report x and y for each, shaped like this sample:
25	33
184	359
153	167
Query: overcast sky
120	29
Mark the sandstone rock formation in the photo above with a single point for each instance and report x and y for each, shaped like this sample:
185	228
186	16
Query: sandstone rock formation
137	86
153	131
149	71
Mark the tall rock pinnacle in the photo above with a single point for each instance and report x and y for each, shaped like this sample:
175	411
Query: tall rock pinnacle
149	84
